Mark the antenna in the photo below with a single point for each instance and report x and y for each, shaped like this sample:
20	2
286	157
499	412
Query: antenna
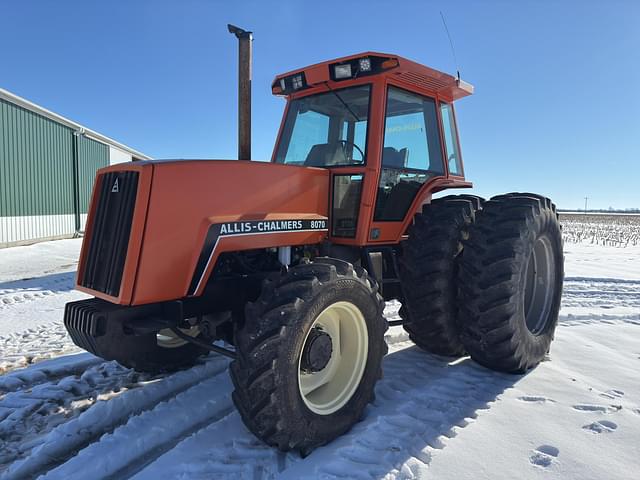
453	50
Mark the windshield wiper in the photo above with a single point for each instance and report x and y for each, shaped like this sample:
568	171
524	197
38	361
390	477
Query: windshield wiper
342	101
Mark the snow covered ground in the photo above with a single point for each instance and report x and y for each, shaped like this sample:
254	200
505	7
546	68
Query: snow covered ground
67	414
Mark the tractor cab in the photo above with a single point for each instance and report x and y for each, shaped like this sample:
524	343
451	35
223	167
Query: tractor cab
385	127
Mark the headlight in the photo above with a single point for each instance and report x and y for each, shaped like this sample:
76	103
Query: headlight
358	67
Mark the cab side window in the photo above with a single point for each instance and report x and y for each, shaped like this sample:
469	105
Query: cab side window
451	139
412	152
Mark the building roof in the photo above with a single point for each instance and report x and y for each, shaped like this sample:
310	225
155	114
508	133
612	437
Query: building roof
26	104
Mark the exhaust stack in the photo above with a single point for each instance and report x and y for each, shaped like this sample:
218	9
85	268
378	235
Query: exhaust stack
245	40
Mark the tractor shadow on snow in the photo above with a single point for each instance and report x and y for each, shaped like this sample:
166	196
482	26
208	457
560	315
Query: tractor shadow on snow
54	283
421	404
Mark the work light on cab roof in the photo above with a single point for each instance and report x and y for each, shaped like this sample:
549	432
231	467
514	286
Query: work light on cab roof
363	65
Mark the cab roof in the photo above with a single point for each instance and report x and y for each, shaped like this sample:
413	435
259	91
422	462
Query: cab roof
380	64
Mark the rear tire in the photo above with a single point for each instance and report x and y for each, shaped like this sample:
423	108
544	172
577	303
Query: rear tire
274	373
511	282
429	269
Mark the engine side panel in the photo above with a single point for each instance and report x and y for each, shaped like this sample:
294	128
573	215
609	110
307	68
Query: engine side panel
188	197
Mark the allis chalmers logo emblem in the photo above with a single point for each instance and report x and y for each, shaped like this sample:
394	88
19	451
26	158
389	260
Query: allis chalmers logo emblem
115	188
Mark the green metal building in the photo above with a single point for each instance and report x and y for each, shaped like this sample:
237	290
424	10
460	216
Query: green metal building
47	167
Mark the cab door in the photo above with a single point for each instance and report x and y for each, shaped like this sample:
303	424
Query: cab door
412	155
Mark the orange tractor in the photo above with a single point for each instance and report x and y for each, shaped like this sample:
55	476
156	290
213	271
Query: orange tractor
285	266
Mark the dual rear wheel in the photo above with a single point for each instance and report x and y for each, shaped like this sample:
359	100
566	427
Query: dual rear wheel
484	278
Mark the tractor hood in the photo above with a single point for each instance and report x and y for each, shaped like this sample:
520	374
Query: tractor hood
179	215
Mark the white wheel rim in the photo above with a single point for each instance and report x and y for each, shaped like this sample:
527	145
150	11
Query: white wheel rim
329	389
167	339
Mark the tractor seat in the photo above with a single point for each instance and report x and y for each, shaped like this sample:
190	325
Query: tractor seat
326	155
392	158
399	200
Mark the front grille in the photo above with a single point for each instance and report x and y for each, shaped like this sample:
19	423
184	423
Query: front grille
111	228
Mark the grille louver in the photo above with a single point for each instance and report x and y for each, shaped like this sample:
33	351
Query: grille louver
83	322
110	232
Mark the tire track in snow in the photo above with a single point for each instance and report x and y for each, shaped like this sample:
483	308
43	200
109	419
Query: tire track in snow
21	349
595	287
570	320
603	280
113	408
28	415
48	371
599	293
156	431
198	407
34	289
600	300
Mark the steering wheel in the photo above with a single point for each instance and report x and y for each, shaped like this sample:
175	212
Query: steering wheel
344	148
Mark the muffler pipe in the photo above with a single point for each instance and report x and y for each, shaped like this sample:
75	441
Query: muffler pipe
245	41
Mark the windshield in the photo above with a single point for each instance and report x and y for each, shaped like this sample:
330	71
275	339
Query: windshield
326	130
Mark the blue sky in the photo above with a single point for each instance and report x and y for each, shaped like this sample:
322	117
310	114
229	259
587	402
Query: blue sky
556	109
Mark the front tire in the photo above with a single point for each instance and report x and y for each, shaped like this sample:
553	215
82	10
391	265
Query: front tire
510	282
167	353
289	389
